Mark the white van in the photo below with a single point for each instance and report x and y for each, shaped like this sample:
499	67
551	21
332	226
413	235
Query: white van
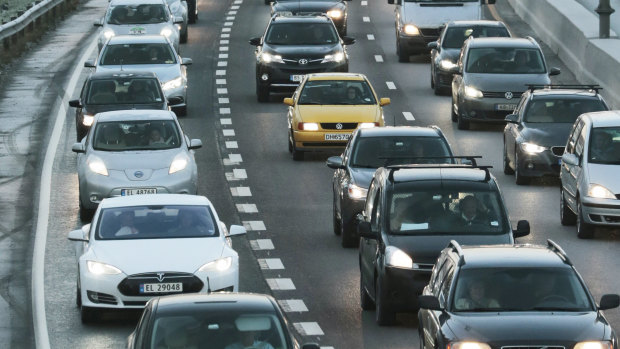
419	22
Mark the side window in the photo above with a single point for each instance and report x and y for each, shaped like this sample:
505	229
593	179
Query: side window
445	286
83	93
376	212
370	202
570	146
143	327
580	143
441	275
436	268
521	107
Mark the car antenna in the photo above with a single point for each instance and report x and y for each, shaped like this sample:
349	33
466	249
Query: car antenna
208	285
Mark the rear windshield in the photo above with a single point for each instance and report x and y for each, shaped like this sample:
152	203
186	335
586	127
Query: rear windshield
124	90
137	14
156	222
505	60
456	36
560	110
335	92
375	152
129	54
136	135
301	34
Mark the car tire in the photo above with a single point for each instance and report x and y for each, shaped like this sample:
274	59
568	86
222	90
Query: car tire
584	230
298	155
183	38
262	93
366	303
567	216
453	116
337	225
86	214
403	55
349	238
290	145
432	79
78	291
519	178
420	335
89	315
437	90
462	124
181	111
191	12
507	169
383	315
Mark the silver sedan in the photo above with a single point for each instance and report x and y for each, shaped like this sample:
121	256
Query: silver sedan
179	9
132	152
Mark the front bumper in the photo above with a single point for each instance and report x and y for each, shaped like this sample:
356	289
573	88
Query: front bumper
402	286
416	44
539	164
279	76
315	140
604	212
181	92
486	109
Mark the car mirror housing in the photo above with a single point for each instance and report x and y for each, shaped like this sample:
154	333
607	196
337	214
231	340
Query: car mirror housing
364	230
178	20
609	301
255	41
236	230
335	162
195	144
75	103
433	45
173	100
523	229
554	71
288	101
78	148
98	23
347	40
384	101
89	64
186	61
570	159
512	118
311	345
77	235
429	302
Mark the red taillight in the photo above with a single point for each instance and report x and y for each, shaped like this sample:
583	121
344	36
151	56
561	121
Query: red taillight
300	126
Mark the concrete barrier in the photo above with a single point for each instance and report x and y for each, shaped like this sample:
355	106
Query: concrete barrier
571	31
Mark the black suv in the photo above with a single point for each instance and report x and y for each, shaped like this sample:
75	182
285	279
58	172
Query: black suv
512	296
108	91
411	213
368	150
294	46
334	9
535	135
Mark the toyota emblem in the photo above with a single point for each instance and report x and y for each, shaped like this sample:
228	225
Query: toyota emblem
303	61
508	95
160	276
338	126
138	174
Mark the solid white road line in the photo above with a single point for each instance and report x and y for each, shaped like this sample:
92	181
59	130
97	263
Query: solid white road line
280	284
41	334
378	58
308	328
270	263
261	244
241	191
390	85
293	305
408	115
370	37
254	225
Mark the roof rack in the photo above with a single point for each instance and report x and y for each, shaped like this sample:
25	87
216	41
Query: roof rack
592	87
559	251
455	246
474	164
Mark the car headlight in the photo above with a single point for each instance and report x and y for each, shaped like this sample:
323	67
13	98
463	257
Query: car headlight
468	345
308	126
221	264
357	192
532	148
473	92
172	84
334	14
178	164
166	32
368	124
108	33
97	166
447	64
411	29
600	192
98	268
336	57
397	258
87	120
593	345
269	58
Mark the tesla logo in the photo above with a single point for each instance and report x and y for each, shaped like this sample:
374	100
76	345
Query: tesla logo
339	126
508	95
138	174
303	61
160	276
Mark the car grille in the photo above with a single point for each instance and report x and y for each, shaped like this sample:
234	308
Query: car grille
487	94
130	286
334	125
533	347
557	151
295	61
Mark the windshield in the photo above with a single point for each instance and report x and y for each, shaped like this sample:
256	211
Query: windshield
456	36
124	90
136	135
156	222
130	54
604	146
427	210
442	1
560	110
505	60
337	92
137	14
301	34
375	152
220	328
519	289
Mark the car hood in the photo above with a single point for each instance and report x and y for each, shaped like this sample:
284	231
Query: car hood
339	113
165	72
302	51
151	255
605	175
451	54
426	248
505	82
146	29
438	13
307	6
525	328
362	176
130	162
93	109
546	134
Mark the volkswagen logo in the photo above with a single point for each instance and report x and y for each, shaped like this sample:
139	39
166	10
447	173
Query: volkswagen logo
338	126
138	174
160	276
508	95
303	61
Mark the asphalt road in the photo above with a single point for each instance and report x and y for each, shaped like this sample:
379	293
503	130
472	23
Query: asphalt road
287	203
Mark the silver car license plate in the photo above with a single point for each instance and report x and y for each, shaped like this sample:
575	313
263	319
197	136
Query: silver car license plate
165	287
505	107
337	136
138	191
296	78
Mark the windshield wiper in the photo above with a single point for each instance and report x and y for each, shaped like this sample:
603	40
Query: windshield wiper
554	309
480	310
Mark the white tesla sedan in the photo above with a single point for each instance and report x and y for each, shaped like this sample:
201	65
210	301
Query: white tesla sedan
150	245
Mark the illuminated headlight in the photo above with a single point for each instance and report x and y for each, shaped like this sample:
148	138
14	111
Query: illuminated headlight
336	57
447	64
268	58
98	268
308	126
468	345
88	120
411	29
357	192
221	264
284	13
397	258
368	125
334	14
178	164
108	33
599	192
473	92
593	345
97	166
172	84
166	32
532	148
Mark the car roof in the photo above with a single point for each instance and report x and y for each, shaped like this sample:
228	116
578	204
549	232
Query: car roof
122	74
519	255
608	118
135	2
154	199
137	39
411	131
474	23
300	19
137	114
336	76
564	92
503	42
219	300
464	173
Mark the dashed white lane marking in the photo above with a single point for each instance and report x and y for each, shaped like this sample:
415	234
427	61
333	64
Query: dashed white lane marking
370	37
235	158
247	208
261	244
326	347
224	111
224	42
280	284
220	81
366	19
222	64
270	263
222	91
225	30
225	35
239	2
254	225
223	56
220	72
232	145
230	18
408	115
308	328
228	132
241	191
378	58
226	121
390	85
234	7
240	173
228	24
232	12
293	305
224	48
364	3
223	100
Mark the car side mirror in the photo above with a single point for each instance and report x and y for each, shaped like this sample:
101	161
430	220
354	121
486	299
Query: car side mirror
391	2
312	345
78	148
236	230
178	20
512	118
174	100
335	162
186	61
384	101
195	144
429	302
255	41
288	101
364	230
75	103
433	45
98	23
80	234
89	64
609	301
347	40
570	159
523	229
554	71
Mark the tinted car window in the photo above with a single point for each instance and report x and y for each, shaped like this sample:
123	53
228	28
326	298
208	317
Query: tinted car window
560	110
137	14
123	90
301	34
505	60
337	92
519	289
128	54
156	222
604	147
455	36
375	152
136	135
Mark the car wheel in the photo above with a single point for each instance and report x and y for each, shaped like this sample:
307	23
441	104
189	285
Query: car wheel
298	155
181	111
89	315
349	238
336	221
78	298
262	93
437	90
183	38
520	179
365	301
507	169
567	216
462	124
86	214
584	230
191	12
403	55
420	335
383	315
432	77
453	115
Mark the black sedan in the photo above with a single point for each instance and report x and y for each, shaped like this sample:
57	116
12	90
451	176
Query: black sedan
216	321
334	9
535	135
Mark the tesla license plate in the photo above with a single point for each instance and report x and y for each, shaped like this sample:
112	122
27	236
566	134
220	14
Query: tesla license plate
337	136
505	107
162	288
138	191
296	78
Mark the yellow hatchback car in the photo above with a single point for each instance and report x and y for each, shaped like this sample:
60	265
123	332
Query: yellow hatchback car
327	107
